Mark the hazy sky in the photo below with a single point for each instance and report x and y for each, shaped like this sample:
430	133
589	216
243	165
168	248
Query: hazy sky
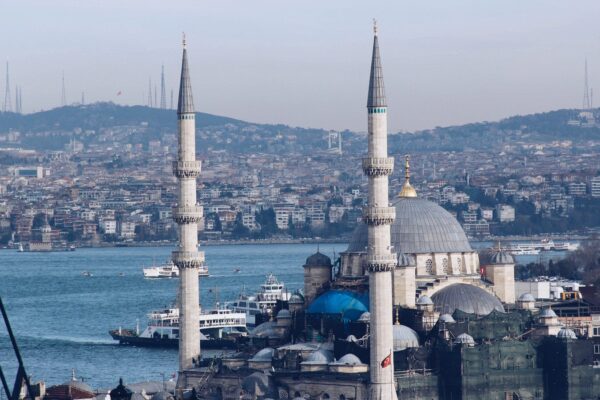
306	63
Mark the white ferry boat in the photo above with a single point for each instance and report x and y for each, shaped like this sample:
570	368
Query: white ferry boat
167	270
219	328
263	303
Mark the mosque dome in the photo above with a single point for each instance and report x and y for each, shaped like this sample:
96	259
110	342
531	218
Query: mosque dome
526	297
566	333
266	329
420	227
296	298
447	318
350	305
349	359
320	357
465	338
502	257
467	298
404	337
284	314
424	300
318	260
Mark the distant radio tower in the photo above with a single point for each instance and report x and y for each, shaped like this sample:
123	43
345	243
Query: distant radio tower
171	99
149	92
63	97
163	90
586	90
18	103
7	100
155	97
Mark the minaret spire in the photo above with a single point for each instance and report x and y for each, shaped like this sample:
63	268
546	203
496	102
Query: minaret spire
378	215
187	213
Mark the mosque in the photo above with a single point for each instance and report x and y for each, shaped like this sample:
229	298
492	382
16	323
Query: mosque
405	312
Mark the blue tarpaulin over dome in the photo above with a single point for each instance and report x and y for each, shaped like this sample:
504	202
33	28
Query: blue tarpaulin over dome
349	305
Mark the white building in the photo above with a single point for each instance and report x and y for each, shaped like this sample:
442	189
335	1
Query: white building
595	186
505	213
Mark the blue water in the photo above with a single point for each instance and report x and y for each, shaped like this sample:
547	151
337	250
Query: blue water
61	318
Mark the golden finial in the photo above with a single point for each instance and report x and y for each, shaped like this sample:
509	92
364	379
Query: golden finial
184	40
374	26
407	189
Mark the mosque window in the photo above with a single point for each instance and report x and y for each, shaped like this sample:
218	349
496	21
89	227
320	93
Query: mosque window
429	266
325	396
597	349
445	265
459	265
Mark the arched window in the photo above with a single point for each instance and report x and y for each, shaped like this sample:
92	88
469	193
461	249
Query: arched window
459	265
325	396
445	266
429	266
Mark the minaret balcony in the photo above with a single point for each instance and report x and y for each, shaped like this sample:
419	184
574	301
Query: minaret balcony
188	259
187	169
380	262
378	166
379	215
187	214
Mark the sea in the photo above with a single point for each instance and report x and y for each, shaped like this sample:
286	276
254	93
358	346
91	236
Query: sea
61	317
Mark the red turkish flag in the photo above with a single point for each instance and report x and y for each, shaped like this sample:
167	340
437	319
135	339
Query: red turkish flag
386	361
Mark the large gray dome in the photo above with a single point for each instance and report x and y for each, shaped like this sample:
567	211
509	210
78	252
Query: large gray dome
468	298
420	227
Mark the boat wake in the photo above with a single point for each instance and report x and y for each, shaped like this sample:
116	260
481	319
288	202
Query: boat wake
67	339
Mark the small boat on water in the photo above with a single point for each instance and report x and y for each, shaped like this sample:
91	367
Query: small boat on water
21	249
167	270
219	329
259	308
87	273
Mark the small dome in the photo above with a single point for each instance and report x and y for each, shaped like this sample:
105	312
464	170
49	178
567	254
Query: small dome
349	359
265	354
566	333
424	300
447	318
350	305
467	298
266	329
296	298
320	357
502	257
464	338
526	298
351	338
404	337
547	313
318	260
365	317
256	383
284	314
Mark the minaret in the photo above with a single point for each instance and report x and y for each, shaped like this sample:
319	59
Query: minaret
379	216
187	214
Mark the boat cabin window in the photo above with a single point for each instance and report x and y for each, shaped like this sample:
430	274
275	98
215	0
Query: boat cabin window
242	304
253	305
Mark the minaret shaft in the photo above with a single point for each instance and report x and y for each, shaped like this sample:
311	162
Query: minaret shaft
380	260
187	214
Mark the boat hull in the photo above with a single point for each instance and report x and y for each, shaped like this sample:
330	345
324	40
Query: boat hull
133	340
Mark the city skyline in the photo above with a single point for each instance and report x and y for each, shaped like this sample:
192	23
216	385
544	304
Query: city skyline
449	64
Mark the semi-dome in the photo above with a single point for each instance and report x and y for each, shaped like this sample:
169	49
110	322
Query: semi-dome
467	298
502	257
404	337
318	260
526	298
420	227
566	333
350	305
465	338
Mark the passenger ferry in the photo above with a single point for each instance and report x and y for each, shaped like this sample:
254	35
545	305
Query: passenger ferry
261	304
534	248
167	270
219	329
